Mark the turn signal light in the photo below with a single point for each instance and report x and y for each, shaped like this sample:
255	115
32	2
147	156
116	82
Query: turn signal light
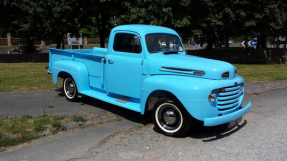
221	90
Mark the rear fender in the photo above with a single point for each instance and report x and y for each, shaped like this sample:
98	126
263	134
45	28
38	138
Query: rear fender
76	69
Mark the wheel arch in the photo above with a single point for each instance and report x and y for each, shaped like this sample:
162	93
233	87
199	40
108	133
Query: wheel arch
155	95
63	74
77	70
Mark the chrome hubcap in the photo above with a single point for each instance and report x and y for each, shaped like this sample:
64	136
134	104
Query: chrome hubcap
70	88
169	117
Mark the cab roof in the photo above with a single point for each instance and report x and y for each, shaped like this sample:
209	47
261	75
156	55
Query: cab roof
144	29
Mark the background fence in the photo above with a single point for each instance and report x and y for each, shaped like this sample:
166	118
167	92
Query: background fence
16	41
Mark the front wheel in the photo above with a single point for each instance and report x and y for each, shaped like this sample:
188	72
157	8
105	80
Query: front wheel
70	89
171	117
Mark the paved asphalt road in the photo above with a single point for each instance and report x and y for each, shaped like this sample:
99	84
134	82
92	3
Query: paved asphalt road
66	146
17	104
262	135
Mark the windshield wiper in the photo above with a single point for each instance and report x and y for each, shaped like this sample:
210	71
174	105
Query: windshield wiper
171	52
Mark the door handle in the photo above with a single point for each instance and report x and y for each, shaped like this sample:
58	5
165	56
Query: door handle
111	61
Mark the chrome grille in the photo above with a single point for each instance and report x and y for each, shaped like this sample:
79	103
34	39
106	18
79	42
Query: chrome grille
230	98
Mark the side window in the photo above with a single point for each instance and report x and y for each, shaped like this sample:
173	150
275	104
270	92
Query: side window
127	43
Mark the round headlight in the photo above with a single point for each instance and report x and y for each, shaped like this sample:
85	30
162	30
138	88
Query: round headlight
212	97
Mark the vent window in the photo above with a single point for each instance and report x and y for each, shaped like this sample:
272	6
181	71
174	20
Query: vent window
225	75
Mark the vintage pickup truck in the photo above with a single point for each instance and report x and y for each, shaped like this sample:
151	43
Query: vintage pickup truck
146	68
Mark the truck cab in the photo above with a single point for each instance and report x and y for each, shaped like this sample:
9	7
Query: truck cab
146	68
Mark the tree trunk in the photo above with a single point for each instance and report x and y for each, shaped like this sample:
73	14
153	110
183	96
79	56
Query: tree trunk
263	41
258	42
58	40
63	43
227	43
285	42
103	30
29	47
209	43
277	42
101	27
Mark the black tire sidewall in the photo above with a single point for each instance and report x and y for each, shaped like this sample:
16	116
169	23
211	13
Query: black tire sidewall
186	118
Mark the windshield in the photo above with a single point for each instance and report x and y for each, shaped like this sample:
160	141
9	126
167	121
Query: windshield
162	42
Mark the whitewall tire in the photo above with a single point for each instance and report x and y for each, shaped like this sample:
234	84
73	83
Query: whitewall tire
70	89
170	117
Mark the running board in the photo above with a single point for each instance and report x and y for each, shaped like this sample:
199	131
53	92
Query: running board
113	100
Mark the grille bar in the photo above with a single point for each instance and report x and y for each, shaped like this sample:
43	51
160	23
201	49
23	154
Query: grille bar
232	88
230	98
228	101
229	93
222	107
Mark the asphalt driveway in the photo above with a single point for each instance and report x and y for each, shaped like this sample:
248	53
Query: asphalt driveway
17	104
261	136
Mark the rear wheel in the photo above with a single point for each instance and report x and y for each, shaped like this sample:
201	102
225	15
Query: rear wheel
170	117
70	89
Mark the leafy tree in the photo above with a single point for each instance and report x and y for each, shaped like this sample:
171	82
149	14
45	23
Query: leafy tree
263	18
45	19
103	14
91	30
219	20
214	21
168	13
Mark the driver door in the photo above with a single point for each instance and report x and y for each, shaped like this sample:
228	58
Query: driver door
123	67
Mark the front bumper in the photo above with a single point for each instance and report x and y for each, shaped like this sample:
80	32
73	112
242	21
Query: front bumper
227	118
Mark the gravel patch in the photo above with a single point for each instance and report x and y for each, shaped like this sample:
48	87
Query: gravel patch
266	86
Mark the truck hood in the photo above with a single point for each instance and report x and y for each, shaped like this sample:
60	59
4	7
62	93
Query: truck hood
187	65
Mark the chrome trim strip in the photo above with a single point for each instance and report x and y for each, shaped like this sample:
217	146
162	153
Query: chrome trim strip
223	75
183	69
195	72
199	74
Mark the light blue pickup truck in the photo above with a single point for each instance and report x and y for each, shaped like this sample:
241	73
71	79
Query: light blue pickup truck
146	68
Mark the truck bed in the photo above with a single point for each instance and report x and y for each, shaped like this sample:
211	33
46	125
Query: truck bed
91	58
78	54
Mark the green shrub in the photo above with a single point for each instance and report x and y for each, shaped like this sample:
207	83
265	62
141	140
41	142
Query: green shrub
57	118
56	124
6	141
78	118
39	127
16	126
42	120
39	123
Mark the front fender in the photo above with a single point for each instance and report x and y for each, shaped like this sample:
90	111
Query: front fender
191	88
76	69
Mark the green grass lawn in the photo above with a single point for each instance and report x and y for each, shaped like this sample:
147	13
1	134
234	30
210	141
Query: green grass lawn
272	72
26	76
33	76
27	128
